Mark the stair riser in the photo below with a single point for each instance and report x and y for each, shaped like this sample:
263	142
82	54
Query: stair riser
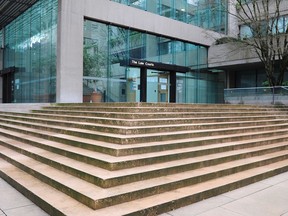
57	185
129	196
150	109
152	115
51	210
146	175
196	134
52	119
127	131
172	170
154	138
167	105
63	152
183	183
167	158
169	206
136	150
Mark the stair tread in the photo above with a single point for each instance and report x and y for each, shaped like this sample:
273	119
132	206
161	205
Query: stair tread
106	174
85	131
113	159
170	197
94	192
70	207
123	147
273	120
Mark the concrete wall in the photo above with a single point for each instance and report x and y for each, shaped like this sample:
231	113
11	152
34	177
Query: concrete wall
231	54
70	36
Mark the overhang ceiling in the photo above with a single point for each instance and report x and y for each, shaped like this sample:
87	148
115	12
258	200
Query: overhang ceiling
10	9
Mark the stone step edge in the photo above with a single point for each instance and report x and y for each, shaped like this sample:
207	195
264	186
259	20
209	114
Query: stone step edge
147	122
132	129
134	149
180	165
159	114
168	201
162	108
97	198
152	205
117	163
140	138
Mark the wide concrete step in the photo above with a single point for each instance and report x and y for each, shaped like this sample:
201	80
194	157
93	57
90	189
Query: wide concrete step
38	117
84	163
133	138
127	130
175	189
50	141
158	108
153	115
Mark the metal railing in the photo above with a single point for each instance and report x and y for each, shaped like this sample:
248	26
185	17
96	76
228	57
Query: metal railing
277	95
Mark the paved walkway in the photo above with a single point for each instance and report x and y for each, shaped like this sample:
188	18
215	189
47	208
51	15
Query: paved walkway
13	203
266	198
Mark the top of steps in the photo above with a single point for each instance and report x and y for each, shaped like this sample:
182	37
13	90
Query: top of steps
22	107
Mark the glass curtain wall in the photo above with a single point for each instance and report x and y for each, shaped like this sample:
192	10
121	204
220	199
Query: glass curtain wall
107	49
30	47
209	14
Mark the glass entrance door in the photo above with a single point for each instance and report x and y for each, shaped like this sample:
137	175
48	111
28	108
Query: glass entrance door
158	85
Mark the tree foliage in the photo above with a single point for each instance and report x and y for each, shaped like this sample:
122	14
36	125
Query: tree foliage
269	34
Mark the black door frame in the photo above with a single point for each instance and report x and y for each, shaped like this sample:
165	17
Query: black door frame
144	65
7	84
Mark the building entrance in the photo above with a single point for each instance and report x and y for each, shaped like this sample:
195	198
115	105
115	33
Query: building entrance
8	84
158	86
157	81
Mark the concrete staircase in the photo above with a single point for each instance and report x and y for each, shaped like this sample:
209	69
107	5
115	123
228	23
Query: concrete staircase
138	158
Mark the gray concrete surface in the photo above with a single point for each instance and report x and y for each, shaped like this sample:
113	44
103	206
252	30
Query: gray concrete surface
13	203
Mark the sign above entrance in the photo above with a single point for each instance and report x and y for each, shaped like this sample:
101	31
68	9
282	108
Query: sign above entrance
155	65
141	63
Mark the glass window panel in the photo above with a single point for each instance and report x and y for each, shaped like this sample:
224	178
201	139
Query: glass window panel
136	44
180	10
121	82
179	53
153	6
141	4
245	32
152	48
30	46
166	50
166	8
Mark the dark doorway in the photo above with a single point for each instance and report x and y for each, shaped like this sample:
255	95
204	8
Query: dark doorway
8	84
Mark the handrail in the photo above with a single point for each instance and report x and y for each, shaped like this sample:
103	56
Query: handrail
257	95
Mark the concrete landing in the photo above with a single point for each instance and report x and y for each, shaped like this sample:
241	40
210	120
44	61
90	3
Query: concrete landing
21	107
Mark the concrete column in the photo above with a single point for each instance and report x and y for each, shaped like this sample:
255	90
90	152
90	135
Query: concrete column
70	52
233	29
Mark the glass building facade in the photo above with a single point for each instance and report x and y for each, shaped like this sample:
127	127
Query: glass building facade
107	47
208	14
30	53
30	49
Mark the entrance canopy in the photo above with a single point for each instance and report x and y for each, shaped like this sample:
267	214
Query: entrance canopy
11	9
155	65
145	65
